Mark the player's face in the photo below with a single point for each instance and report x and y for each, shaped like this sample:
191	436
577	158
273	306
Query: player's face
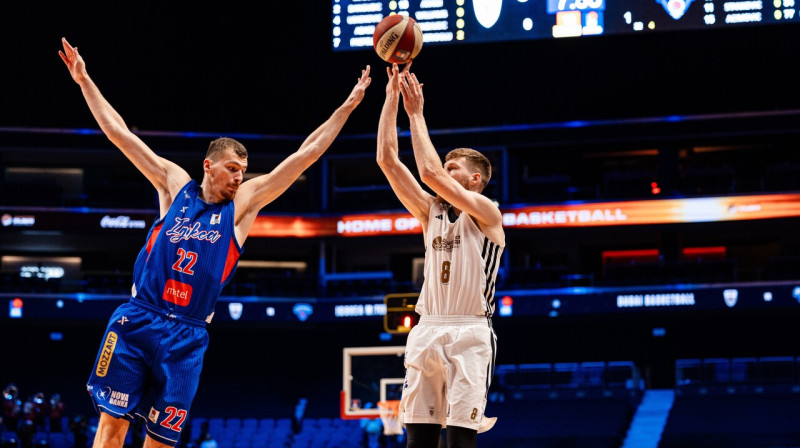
458	170
226	174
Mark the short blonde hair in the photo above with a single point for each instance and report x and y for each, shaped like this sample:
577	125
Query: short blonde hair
220	145
476	162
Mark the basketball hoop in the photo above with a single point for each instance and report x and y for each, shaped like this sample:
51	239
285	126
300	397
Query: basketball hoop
390	416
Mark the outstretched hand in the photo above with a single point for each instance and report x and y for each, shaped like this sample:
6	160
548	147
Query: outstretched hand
394	74
411	89
357	94
73	60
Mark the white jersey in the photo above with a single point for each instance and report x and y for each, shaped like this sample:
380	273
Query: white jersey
460	266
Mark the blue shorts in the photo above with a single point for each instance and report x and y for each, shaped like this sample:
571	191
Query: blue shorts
148	367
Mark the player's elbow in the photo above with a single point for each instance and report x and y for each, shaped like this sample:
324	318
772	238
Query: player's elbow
383	160
310	153
387	157
428	175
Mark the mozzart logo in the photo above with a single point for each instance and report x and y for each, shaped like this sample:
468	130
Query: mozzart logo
106	354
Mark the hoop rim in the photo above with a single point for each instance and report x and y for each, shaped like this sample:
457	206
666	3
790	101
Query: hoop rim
390	416
389	405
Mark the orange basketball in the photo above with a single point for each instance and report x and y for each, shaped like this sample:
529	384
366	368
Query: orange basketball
397	38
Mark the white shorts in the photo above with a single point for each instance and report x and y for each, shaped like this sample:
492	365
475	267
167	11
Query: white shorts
449	364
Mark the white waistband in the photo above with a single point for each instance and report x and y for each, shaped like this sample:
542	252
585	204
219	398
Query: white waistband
453	320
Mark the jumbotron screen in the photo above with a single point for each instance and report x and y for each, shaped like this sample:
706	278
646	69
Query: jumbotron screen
475	21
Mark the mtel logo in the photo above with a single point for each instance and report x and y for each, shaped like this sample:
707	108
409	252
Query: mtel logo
177	292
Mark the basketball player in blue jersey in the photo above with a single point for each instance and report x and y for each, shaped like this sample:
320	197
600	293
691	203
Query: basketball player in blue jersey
450	353
151	356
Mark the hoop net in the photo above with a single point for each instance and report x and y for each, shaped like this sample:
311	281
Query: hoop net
390	416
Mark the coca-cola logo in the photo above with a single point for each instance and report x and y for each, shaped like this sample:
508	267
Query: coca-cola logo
121	222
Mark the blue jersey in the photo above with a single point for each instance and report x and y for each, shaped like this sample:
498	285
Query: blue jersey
190	255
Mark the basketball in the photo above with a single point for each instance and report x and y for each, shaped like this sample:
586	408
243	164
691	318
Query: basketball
397	38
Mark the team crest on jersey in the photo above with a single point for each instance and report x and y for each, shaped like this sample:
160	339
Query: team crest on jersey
153	415
440	243
431	410
215	218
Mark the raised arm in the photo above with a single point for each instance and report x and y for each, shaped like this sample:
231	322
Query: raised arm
433	174
165	176
410	193
254	194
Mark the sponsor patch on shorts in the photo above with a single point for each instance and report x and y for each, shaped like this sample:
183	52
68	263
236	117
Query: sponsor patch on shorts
113	397
105	355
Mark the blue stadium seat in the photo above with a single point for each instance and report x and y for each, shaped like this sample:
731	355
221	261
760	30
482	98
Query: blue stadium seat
266	423
233	424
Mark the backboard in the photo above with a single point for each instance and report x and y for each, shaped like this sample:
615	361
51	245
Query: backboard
369	375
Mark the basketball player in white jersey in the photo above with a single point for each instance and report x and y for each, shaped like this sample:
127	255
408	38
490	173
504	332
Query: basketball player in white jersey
450	354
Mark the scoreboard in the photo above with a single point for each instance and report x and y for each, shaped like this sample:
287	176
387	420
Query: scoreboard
477	21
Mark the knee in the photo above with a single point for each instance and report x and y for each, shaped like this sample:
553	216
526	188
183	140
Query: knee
111	432
458	437
423	435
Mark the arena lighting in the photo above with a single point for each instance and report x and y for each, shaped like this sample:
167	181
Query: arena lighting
15	308
582	214
496	129
654	188
264	264
506	306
